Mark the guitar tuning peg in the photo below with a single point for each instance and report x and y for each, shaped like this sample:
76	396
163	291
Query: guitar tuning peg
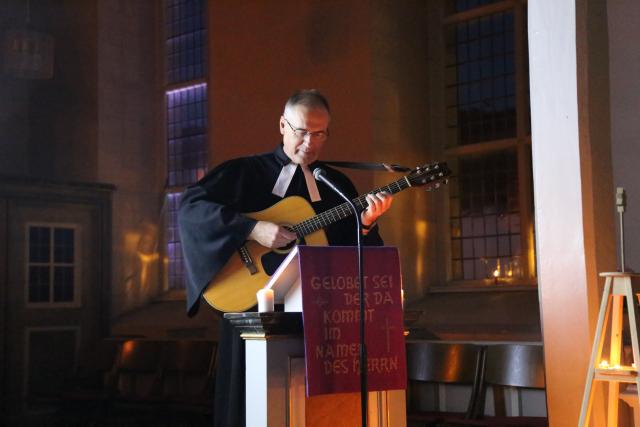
445	181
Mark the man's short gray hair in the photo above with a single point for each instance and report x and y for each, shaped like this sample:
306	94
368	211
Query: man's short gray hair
310	98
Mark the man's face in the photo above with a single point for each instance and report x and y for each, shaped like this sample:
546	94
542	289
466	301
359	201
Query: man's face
305	149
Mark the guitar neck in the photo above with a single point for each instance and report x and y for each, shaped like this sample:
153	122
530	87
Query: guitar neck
342	211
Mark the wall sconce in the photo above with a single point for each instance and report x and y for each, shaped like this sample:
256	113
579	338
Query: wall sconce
28	54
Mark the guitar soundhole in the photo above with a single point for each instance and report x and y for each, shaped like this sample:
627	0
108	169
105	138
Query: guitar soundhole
272	259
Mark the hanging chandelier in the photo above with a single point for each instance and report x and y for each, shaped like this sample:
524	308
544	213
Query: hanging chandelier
28	54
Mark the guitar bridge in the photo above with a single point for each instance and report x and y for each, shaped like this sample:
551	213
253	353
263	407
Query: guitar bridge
245	256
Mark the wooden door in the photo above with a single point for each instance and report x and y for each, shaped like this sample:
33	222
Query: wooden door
53	297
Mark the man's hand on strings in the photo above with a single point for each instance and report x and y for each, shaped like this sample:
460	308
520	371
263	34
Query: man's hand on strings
271	235
378	204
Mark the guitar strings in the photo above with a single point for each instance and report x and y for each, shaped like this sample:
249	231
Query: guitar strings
339	212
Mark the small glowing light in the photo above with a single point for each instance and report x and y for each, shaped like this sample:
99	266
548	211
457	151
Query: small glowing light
127	347
496	273
604	364
616	367
633	365
510	273
148	258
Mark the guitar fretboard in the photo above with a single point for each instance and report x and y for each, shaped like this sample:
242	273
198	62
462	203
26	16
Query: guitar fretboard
342	211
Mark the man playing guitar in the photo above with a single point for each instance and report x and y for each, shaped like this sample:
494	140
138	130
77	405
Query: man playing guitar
214	226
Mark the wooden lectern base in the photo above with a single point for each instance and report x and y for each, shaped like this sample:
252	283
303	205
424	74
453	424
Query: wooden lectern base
386	408
333	410
275	381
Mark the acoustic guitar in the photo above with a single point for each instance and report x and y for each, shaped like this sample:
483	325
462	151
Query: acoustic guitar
234	288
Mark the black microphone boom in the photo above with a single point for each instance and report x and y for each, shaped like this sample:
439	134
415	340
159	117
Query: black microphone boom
320	175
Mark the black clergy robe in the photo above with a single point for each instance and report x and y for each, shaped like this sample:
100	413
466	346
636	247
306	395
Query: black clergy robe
212	228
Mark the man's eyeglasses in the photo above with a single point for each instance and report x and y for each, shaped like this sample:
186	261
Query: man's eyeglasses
320	135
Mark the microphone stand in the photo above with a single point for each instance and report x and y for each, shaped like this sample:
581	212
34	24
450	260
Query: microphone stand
319	174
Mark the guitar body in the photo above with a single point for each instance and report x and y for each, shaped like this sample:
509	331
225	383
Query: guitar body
234	288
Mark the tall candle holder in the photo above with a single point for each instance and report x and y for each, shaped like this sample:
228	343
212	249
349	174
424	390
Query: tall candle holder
618	289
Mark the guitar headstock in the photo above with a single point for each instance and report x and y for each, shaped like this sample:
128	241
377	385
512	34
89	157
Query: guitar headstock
432	175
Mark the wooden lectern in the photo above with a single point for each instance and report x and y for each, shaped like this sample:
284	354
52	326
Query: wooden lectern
275	369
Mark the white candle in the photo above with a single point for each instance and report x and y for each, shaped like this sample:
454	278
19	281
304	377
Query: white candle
265	300
402	297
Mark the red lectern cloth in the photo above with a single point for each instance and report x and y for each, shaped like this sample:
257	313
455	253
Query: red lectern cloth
330	314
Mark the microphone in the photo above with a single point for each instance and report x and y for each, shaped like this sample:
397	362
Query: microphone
318	172
321	175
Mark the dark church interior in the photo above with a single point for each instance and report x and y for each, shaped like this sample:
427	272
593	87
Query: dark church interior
110	109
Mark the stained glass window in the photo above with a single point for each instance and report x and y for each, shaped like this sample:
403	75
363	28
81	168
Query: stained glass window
186	114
